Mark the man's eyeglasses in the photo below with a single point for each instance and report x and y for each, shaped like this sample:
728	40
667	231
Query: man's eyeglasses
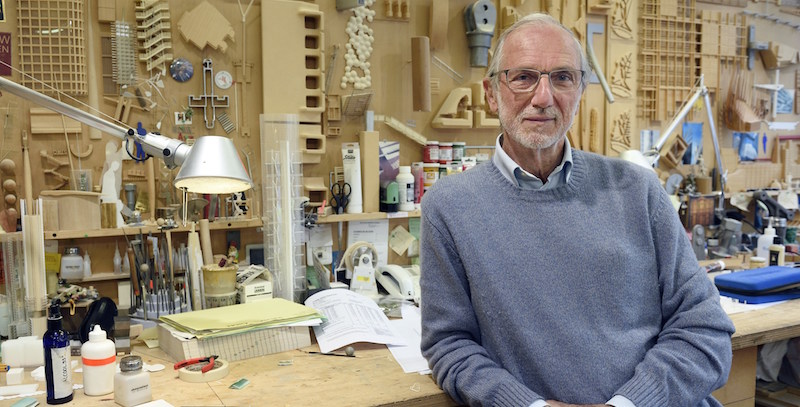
525	80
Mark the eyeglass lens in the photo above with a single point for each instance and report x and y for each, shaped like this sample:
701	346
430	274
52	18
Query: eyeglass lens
524	80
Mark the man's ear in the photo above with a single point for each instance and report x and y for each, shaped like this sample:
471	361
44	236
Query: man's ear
491	97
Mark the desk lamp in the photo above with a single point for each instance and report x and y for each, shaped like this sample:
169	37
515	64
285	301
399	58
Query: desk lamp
210	166
675	146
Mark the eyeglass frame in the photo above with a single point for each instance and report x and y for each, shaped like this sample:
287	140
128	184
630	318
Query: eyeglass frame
579	83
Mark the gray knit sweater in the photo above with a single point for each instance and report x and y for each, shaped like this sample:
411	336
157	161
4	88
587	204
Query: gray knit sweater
575	294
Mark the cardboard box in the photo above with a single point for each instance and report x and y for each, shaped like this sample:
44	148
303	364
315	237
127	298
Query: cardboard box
256	290
234	347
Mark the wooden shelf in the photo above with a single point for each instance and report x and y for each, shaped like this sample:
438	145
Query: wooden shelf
133	230
346	217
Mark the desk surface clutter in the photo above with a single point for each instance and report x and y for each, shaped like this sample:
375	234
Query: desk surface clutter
372	377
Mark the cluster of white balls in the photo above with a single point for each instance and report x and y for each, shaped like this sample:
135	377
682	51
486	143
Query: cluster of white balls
359	47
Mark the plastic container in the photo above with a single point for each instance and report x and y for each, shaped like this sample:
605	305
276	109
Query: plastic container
431	175
419	176
99	358
132	384
431	152
757	262
405	184
219	280
445	152
57	359
765	241
72	264
458	150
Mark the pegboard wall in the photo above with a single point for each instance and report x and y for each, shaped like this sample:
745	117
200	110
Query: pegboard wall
188	69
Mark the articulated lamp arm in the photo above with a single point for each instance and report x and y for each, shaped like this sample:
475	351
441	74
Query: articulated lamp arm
211	165
173	152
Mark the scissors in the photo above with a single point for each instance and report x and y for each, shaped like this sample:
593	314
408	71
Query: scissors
341	195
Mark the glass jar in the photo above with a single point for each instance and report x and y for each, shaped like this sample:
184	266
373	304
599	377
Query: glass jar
72	264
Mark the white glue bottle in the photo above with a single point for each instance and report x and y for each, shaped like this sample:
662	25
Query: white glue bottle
99	356
405	184
765	241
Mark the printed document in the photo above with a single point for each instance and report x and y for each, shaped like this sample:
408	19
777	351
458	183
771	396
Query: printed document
351	317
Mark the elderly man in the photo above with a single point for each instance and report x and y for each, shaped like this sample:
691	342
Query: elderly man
553	276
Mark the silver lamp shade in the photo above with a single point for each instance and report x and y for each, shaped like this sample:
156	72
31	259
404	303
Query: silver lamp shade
213	166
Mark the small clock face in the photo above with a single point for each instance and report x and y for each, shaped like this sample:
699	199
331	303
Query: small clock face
223	79
181	70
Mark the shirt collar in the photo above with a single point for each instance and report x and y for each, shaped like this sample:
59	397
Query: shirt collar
525	180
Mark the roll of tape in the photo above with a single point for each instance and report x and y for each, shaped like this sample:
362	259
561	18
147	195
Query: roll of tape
358	249
192	373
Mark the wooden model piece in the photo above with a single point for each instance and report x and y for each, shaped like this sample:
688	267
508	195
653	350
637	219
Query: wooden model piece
420	74
621	132
739	110
484	118
669	51
106	11
315	190
153	33
123	46
294	30
621	75
779	55
46	121
437	26
620	24
61	58
206	26
397	9
455	112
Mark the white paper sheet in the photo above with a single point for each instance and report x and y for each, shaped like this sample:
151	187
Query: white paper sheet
409	356
352	318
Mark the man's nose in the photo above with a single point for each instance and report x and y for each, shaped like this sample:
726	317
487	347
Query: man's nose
542	93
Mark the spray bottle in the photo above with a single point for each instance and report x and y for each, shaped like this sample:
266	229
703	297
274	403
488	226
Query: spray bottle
57	363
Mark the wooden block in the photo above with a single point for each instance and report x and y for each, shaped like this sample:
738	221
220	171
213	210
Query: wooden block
370	171
438	24
77	210
50	215
421	74
741	383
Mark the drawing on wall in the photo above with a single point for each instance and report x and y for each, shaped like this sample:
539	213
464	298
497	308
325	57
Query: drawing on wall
693	135
621	132
785	103
746	144
619	21
622	72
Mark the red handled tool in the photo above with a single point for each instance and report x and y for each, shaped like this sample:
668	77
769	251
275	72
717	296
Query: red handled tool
205	369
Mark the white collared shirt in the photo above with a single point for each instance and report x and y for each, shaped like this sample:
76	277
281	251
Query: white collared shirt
525	180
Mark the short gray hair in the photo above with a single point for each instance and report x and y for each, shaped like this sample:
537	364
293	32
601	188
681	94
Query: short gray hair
541	20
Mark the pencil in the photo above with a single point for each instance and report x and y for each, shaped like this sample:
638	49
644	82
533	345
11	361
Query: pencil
4	367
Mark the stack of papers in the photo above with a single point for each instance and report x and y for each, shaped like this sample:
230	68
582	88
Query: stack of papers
240	318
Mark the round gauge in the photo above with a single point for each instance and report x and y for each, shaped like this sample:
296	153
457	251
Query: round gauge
223	79
181	70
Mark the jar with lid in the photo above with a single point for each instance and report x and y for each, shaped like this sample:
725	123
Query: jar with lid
132	384
431	153
458	150
445	152
72	264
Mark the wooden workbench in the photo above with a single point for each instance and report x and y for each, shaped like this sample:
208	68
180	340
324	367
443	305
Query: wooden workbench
373	377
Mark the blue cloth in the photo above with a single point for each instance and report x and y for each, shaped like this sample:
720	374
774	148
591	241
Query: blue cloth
577	293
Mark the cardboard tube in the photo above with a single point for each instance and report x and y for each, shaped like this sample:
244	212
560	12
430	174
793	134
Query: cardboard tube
421	73
205	242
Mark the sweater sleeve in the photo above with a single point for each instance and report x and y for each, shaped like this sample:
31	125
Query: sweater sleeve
692	355
451	339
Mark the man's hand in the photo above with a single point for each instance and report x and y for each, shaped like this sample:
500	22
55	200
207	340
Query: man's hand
554	403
